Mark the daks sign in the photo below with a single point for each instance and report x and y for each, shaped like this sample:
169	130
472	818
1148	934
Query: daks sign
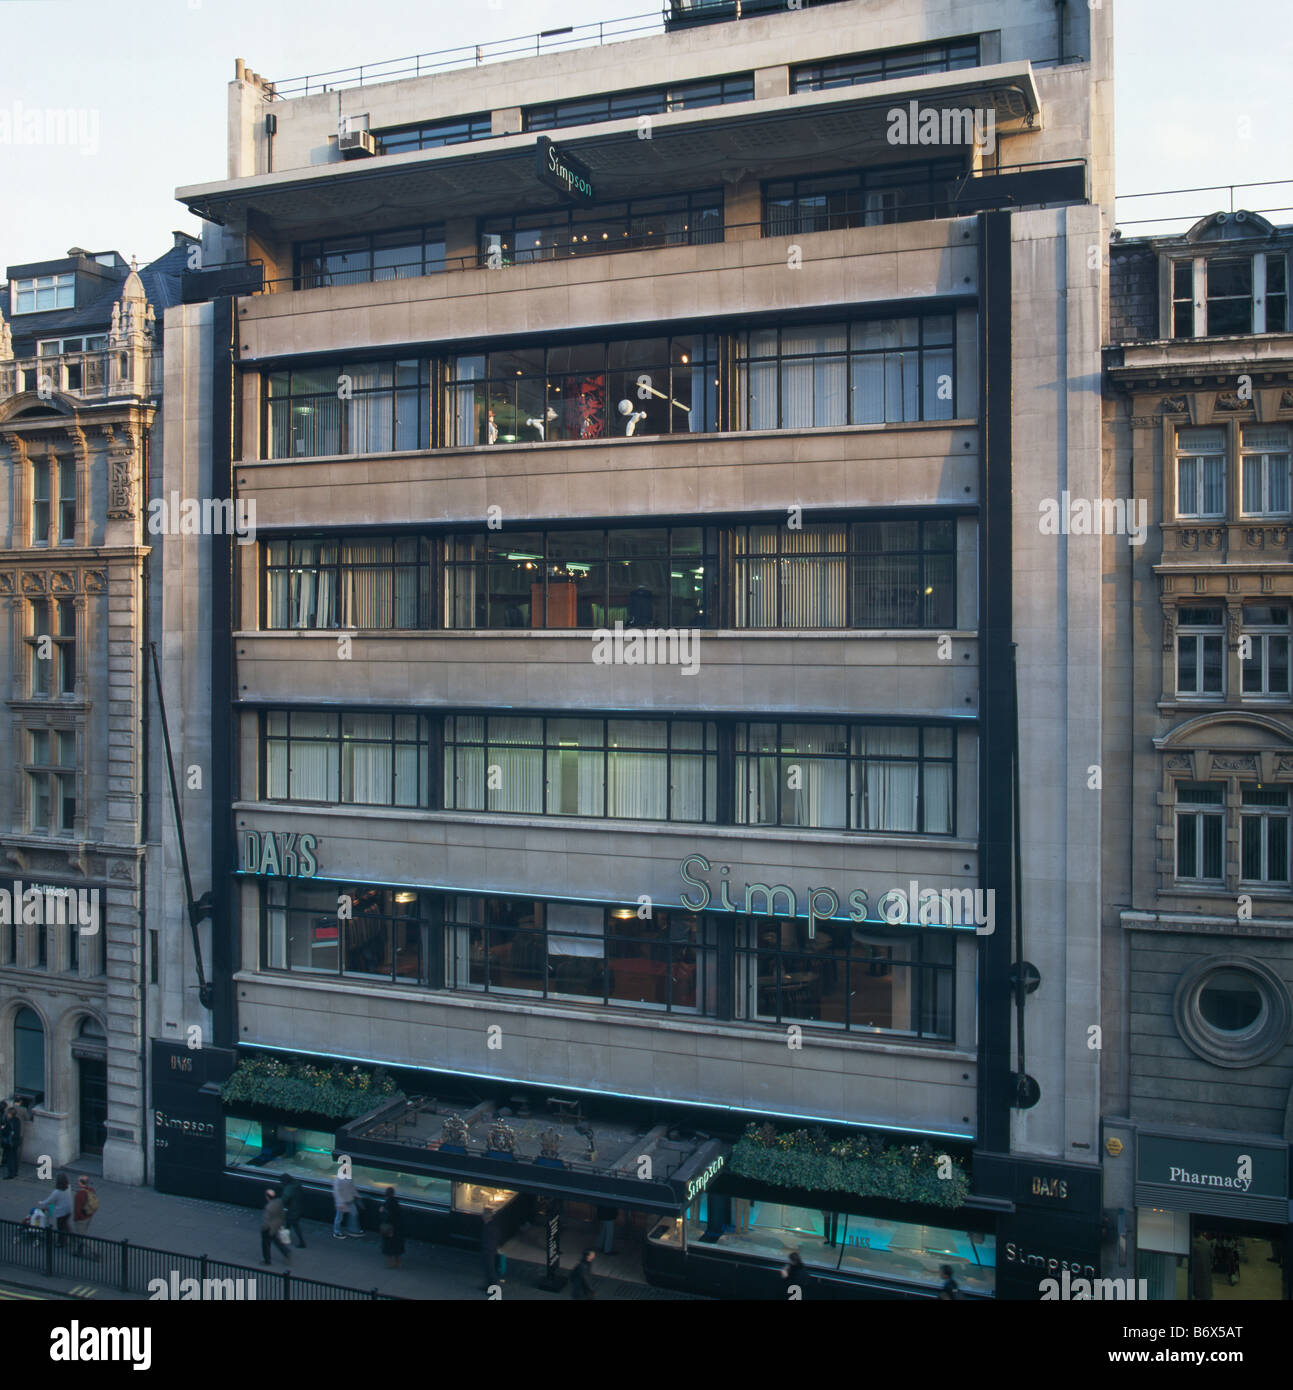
275	854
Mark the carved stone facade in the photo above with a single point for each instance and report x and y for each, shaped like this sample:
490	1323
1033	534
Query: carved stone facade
73	566
1199	761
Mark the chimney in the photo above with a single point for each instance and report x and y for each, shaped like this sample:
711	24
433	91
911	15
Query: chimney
239	70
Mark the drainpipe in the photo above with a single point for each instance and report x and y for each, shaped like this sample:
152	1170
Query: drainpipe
1059	13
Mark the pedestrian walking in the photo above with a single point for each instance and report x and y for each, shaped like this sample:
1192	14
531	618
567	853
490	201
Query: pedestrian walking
85	1202
11	1139
606	1216
581	1277
392	1237
344	1198
59	1206
292	1208
794	1275
273	1231
949	1289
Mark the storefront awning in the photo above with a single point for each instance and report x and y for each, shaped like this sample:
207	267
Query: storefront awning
551	1150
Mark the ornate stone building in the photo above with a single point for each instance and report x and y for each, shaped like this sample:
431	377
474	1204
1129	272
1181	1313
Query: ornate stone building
1198	761
79	394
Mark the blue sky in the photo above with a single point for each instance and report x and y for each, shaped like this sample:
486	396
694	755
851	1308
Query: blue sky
1202	94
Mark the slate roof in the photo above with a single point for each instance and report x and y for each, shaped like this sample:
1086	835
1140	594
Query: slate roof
161	281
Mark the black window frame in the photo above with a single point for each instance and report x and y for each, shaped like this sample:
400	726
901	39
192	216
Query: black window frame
707	949
745	561
852	356
422	743
708	557
934	179
641	101
426	236
850	759
498	387
753	951
496	234
917	60
450	739
291	399
423	567
434	135
419	917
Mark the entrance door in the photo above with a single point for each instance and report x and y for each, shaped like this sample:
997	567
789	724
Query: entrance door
1236	1260
94	1103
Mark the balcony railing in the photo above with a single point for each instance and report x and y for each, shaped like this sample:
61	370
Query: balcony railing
87	376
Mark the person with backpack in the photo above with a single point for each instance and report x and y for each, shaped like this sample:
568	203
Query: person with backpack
59	1205
85	1202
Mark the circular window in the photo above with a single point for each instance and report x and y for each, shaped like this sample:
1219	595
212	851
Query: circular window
1232	1011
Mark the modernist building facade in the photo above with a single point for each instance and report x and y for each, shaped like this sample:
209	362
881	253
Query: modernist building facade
647	446
1199	762
80	375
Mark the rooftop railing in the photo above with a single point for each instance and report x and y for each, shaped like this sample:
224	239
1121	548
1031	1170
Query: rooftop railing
472	55
1170	221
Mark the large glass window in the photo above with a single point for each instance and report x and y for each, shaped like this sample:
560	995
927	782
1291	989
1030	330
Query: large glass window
570	950
1237	295
348	581
886	66
859	977
871	372
681	219
862	1245
628	769
51	781
42	292
874	574
275	1150
641	576
645	101
860	197
898	778
364	256
1264	835
1200	650
1200	831
350	758
1265	464
29	1054
339	929
1200	472
586	391
431	135
1264	657
355	408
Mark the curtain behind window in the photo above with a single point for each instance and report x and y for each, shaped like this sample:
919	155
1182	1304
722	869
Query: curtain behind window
889	789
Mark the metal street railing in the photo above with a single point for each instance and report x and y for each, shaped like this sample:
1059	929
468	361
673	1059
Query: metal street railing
130	1268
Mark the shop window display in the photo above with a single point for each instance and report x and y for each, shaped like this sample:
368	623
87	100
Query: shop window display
275	1149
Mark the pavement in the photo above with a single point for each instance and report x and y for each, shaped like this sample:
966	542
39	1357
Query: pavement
190	1226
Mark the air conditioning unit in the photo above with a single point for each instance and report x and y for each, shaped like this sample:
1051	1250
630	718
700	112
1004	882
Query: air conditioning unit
356	144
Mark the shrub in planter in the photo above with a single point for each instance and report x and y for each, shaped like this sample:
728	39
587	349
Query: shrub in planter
866	1167
335	1094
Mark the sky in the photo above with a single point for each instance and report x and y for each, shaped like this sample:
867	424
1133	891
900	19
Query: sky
1201	93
